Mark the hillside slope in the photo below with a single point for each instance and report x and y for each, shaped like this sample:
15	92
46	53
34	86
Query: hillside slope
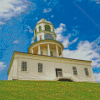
48	90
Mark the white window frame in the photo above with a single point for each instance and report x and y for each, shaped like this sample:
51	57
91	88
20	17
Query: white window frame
75	70
86	71
40	65
23	65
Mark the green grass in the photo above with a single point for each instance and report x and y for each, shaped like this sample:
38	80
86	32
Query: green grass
48	90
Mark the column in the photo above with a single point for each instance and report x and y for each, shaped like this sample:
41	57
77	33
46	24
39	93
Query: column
57	51
43	27
48	50
61	53
39	50
32	51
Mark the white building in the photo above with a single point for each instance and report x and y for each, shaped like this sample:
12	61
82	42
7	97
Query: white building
45	61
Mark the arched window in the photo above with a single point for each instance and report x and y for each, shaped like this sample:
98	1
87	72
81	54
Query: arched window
47	28
35	31
53	30
39	28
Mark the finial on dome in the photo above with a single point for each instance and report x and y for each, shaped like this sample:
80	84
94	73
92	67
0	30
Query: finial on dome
43	19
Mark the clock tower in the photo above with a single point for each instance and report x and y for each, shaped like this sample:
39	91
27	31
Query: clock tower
45	42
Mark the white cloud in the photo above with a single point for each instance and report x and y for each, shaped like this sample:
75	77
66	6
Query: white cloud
74	41
97	1
2	65
60	29
66	43
16	41
75	18
25	30
95	62
97	41
2	23
31	31
47	10
28	29
11	8
97	77
61	38
84	51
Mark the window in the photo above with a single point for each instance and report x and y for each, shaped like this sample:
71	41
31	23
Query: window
86	71
35	31
51	53
39	28
40	37
47	28
24	66
40	67
53	30
74	70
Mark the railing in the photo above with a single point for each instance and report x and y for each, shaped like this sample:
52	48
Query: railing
59	73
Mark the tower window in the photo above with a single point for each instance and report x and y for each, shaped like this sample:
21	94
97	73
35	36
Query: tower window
74	71
24	66
35	31
40	67
47	28
51	53
40	37
86	71
39	28
53	30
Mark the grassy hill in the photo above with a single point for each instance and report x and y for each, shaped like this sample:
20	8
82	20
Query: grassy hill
48	90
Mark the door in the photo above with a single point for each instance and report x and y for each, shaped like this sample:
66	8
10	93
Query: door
57	71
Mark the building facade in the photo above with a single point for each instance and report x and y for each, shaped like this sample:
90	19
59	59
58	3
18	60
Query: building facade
45	61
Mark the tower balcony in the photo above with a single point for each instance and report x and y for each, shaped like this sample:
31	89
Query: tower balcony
47	47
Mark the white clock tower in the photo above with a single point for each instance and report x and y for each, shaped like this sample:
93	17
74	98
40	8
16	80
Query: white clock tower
45	42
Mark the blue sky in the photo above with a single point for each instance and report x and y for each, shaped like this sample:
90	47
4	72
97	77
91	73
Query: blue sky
76	22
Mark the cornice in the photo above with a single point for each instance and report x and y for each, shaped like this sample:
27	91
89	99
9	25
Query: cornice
46	40
43	31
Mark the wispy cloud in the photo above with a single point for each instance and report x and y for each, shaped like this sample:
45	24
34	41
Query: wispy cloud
73	41
28	28
97	76
11	8
47	10
97	1
31	31
2	23
16	41
52	16
2	65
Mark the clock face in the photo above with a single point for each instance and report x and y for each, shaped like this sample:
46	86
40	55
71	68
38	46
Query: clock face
48	36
